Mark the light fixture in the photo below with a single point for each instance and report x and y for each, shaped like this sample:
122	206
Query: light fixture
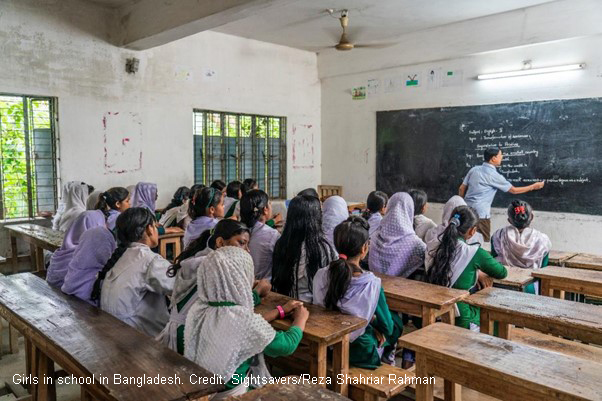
532	71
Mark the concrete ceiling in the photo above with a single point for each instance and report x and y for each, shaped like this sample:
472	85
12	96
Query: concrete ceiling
112	3
306	25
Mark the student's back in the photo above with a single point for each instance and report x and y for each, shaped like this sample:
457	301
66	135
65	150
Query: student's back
206	206
376	206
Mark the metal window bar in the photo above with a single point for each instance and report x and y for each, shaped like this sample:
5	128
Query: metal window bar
234	146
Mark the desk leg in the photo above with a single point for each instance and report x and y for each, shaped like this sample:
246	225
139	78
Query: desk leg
424	391
163	249
449	317
28	357
13	339
14	253
544	287
452	391
45	390
317	366
32	257
340	364
486	323
559	294
40	259
177	249
505	330
428	316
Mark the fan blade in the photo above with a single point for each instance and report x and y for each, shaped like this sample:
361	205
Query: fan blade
374	45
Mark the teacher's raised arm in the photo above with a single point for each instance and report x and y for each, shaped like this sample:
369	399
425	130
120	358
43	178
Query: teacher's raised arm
481	184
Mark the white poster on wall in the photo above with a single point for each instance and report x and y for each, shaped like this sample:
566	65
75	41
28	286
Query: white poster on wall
122	142
303	146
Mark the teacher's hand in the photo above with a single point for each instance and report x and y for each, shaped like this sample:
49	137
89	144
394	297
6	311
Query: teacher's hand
538	185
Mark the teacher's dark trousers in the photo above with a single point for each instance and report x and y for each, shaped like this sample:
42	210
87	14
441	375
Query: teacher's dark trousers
484	227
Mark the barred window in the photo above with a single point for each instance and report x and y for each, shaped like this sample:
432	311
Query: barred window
231	146
27	156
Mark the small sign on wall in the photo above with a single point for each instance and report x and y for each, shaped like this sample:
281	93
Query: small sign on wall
122	142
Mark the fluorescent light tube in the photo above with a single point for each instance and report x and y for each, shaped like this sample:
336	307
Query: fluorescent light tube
531	71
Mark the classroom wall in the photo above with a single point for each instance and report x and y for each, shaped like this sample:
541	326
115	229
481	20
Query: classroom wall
61	48
349	126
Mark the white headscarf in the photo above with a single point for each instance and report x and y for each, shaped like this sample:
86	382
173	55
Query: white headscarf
525	249
334	212
448	208
75	204
92	200
221	338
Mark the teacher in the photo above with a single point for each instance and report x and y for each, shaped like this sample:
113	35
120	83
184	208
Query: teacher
482	182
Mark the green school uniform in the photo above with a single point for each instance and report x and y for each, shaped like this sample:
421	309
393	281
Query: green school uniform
544	263
363	351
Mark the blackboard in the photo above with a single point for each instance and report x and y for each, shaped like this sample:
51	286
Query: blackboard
559	141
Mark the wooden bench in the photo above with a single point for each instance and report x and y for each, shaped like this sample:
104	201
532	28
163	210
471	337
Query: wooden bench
89	343
555	281
424	300
174	240
517	279
556	344
557	258
370	385
290	392
585	261
545	314
351	206
324	328
498	367
326	191
38	238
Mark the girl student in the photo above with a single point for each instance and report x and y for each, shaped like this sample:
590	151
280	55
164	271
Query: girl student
451	262
448	208
334	212
183	217
376	206
301	249
170	213
133	284
145	196
223	334
248	184
75	195
219	185
233	194
422	224
255	212
345	287
225	233
520	245
206	206
395	249
113	202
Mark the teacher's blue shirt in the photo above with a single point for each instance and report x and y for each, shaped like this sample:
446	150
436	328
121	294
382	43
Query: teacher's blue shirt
483	182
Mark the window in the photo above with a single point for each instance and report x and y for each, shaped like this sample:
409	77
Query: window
27	156
232	147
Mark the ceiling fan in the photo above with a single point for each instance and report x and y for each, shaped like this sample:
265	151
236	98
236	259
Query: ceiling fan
344	43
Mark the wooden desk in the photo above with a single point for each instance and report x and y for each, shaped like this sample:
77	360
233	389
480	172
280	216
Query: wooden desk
38	238
497	367
86	341
290	392
557	258
351	206
424	300
549	315
585	261
323	329
517	279
174	239
580	281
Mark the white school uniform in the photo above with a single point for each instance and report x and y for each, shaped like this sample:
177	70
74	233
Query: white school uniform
135	289
374	221
261	247
422	225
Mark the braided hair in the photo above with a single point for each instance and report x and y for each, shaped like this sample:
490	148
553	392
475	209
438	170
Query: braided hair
520	214
108	199
252	205
130	227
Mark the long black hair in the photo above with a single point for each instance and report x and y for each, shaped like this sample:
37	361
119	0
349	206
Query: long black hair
179	197
375	202
309	192
520	214
462	220
202	199
349	238
218	184
108	199
248	184
420	199
251	206
226	229
303	228
233	189
130	227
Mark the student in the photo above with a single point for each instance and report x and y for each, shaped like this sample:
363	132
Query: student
334	212
178	198
59	262
448	208
145	196
451	262
395	249
520	245
132	286
74	198
233	194
224	335
182	217
219	185
255	211
301	250
345	287
422	224
170	213
92	200
248	184
309	192
113	202
376	206
225	233
206	206
93	252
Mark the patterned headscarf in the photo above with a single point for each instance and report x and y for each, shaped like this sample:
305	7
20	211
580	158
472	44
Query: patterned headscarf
334	212
395	249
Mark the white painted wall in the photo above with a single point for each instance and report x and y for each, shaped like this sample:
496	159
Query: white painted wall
349	126
60	48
